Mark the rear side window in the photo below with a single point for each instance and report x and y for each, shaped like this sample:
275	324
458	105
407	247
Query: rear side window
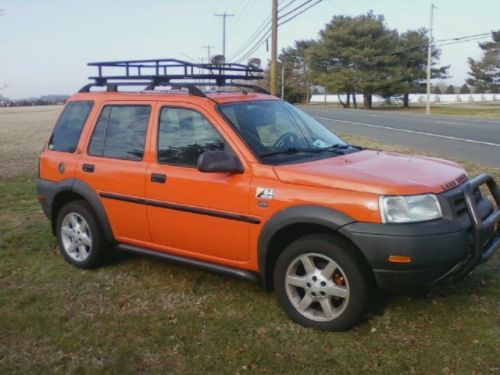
69	126
120	132
184	135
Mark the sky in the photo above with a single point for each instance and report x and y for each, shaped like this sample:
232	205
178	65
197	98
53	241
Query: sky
46	44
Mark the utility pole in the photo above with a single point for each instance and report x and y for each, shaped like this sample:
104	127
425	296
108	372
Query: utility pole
208	52
282	82
274	45
429	64
224	15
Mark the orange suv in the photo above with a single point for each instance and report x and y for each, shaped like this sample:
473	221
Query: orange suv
237	181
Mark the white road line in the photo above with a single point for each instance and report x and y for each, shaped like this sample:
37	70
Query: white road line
411	131
420	115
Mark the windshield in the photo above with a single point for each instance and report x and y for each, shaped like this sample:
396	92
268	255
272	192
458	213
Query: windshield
277	132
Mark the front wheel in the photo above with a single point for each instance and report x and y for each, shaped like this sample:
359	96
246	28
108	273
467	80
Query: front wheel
320	282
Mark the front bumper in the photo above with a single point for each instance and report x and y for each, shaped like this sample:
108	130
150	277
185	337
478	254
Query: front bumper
448	248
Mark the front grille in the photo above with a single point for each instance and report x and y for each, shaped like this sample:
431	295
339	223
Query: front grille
453	202
459	206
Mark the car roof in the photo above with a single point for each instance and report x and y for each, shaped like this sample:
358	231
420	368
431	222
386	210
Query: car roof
218	97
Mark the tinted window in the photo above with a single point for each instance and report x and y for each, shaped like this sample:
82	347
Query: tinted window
184	135
69	126
120	132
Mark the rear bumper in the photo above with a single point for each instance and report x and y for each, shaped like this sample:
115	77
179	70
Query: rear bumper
47	190
448	248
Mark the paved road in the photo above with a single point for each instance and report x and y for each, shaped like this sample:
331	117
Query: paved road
464	138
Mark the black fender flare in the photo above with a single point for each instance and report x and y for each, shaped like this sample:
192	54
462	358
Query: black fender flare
303	214
51	190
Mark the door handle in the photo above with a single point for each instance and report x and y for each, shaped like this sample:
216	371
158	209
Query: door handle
158	178
88	168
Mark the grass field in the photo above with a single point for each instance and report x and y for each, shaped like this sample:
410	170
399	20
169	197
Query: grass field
470	110
488	111
143	315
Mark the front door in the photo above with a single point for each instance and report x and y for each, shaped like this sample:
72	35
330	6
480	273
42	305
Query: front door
203	215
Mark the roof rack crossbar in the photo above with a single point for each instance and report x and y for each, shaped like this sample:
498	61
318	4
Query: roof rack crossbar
113	86
192	87
247	86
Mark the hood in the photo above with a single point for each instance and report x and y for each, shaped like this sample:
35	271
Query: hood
376	172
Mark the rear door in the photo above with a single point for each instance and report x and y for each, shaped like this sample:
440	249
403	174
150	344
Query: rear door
204	215
115	166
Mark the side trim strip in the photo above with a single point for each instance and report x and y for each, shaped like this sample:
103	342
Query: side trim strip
242	274
178	207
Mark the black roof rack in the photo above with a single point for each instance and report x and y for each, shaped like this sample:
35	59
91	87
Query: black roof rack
172	72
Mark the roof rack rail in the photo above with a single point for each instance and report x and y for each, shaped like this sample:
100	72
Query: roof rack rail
172	72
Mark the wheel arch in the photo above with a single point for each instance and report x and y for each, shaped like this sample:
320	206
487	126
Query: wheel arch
290	224
73	189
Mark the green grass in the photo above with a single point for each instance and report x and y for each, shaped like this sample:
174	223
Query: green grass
469	110
143	315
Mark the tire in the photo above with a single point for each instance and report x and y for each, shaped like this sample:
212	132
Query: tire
321	282
80	237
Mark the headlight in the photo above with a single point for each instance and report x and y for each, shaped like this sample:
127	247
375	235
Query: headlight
410	208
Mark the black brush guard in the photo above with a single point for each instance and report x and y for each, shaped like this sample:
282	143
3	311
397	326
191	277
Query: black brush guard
481	251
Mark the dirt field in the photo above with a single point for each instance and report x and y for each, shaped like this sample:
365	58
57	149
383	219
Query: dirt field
23	132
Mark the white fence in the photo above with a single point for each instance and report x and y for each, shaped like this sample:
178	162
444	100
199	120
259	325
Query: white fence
413	98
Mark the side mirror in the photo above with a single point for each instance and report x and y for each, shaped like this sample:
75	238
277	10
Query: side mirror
219	161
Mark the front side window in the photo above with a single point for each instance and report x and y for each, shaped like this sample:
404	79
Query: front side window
183	135
277	132
120	132
69	126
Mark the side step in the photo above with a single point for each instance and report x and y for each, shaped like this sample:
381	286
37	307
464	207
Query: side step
242	274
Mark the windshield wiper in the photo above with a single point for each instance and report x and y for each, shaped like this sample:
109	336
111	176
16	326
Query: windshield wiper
340	146
296	150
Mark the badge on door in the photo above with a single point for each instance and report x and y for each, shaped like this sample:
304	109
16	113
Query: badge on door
264	193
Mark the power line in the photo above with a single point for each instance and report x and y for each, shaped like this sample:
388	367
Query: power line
438	43
264	27
260	29
256	45
294	9
286	5
463	37
298	14
266	35
462	41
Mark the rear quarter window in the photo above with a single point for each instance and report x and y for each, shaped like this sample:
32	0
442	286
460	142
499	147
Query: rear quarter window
69	126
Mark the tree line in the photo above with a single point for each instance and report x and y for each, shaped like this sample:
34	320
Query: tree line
362	55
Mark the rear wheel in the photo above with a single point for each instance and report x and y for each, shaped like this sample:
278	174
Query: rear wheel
80	237
320	282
